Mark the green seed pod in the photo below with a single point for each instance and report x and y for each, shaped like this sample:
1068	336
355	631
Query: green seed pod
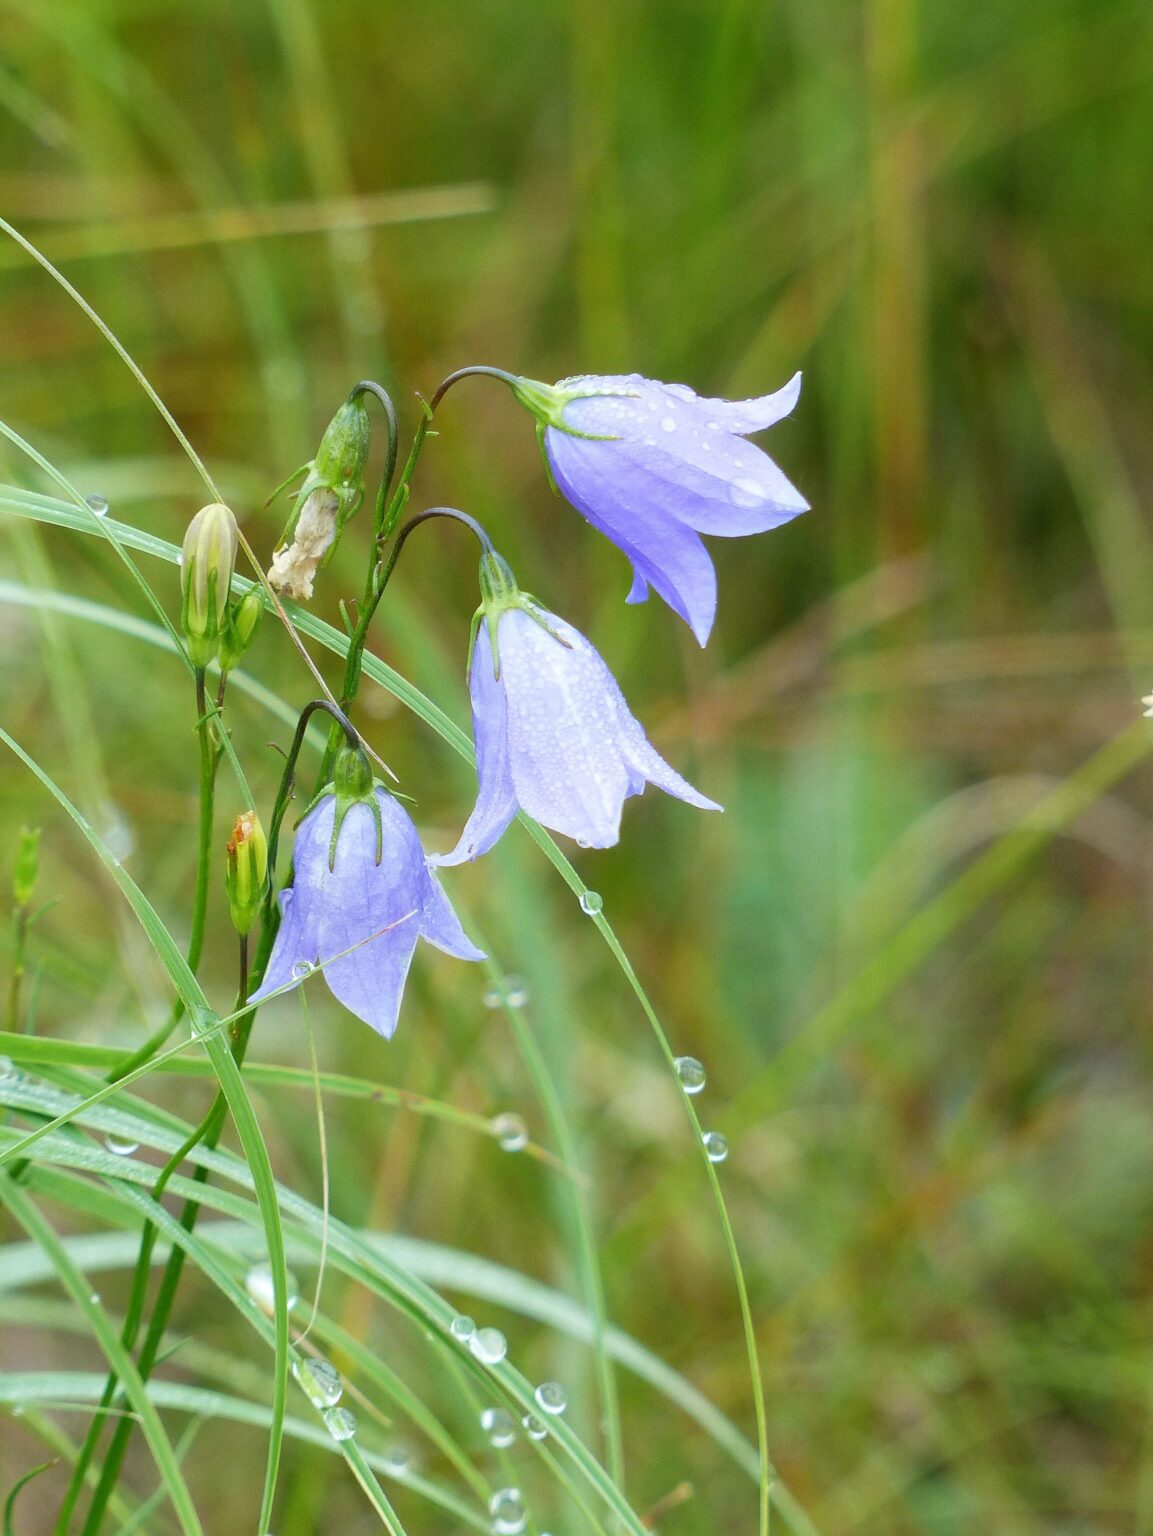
246	871
240	626
207	564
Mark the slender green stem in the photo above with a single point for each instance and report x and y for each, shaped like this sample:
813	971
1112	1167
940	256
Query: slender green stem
20	915
206	1134
380	578
209	759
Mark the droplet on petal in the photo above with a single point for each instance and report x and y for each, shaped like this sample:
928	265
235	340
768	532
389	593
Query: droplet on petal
746	493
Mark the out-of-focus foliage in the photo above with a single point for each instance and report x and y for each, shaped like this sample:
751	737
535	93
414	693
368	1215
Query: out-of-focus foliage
941	1172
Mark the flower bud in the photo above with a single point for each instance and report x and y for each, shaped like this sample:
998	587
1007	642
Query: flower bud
353	783
205	578
332	491
246	870
240	626
342	455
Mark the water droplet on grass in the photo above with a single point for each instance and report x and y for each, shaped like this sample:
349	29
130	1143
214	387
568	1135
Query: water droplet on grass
592	902
303	968
534	1428
510	1131
462	1328
506	1507
397	1462
715	1145
691	1073
499	1426
510	992
98	504
488	1345
120	1146
258	1284
551	1397
320	1380
340	1423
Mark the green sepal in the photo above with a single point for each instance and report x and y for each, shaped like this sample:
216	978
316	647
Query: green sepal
353	783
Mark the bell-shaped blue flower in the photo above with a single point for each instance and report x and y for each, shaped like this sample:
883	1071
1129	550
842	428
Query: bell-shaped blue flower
357	906
655	465
554	736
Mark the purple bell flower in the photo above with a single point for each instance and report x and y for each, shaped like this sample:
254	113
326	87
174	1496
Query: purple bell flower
654	465
554	736
367	912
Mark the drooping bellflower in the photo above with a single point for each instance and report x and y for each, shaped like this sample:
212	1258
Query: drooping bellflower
362	895
655	465
554	736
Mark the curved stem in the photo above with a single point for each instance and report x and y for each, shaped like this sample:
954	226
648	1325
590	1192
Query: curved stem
341	725
370	387
476	370
379	579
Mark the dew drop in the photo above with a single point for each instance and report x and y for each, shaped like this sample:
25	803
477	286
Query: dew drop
592	902
534	1428
94	1298
340	1423
488	1345
681	391
510	1131
506	1509
320	1380
746	493
462	1328
303	968
258	1284
397	1462
551	1397
715	1145
120	1146
668	424
691	1073
713	426
499	1426
98	504
511	992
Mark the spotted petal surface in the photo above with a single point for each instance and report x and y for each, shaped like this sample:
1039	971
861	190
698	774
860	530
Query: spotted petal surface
555	738
652	465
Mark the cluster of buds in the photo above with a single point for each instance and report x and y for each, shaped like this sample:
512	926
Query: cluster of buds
332	491
213	623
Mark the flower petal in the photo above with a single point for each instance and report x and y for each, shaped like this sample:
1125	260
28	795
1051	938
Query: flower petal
641	755
495	801
440	925
289	950
370	980
745	416
704	474
624	502
564	752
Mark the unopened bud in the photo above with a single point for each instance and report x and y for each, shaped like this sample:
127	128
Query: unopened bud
332	491
240	626
343	453
26	870
246	870
205	578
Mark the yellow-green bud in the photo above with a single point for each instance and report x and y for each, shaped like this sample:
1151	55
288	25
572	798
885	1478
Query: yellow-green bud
205	578
27	867
240	626
246	870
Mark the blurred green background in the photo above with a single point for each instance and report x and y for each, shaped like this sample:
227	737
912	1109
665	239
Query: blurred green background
926	1029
